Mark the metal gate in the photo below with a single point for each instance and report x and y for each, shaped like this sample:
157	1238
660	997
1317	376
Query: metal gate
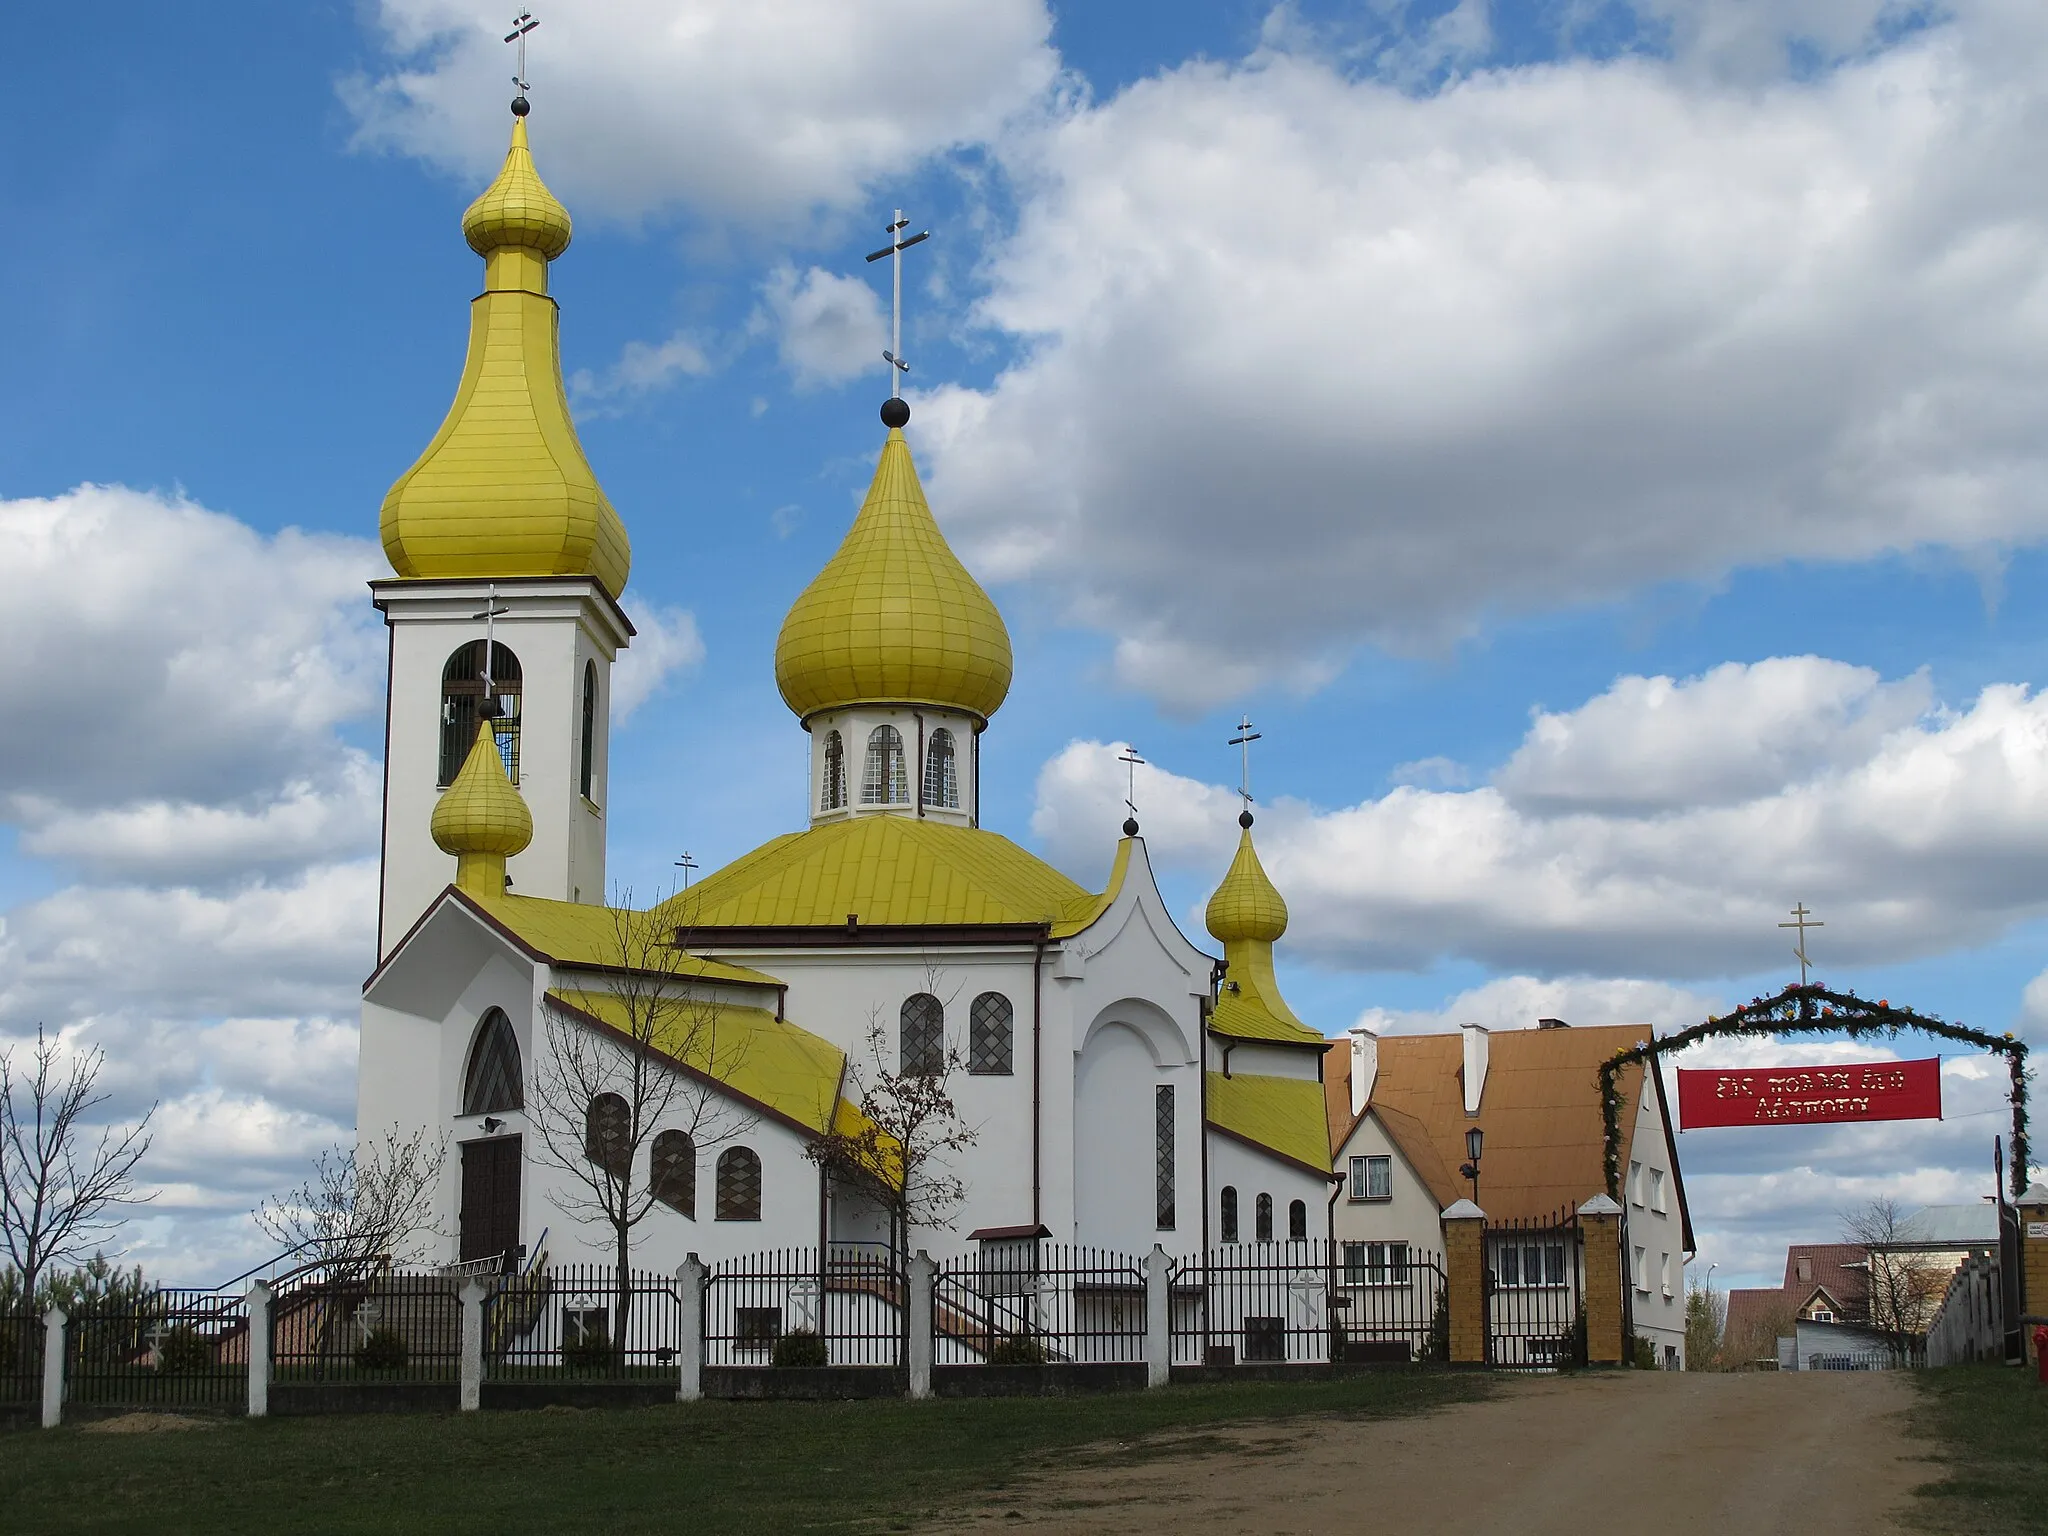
1535	1290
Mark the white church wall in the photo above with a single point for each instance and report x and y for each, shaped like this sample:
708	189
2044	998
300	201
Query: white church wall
1233	1164
1249	1056
1409	1215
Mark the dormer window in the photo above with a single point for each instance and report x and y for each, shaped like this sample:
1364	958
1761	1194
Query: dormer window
884	780
941	772
464	695
832	792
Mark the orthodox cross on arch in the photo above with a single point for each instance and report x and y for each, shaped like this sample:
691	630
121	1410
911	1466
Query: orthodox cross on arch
1243	742
1801	920
894	251
1132	763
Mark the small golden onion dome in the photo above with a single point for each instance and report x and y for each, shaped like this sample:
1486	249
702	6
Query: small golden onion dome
894	618
481	818
517	208
1246	906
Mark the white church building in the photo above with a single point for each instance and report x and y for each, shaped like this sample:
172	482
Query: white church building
1125	1086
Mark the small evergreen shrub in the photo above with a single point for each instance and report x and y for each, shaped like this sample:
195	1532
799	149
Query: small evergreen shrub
183	1351
592	1351
1644	1356
1438	1345
1016	1349
384	1350
800	1347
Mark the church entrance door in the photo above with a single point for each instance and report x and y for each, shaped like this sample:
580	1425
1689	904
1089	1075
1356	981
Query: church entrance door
490	1197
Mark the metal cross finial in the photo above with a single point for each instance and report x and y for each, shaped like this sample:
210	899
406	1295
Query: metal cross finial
1243	741
686	864
522	24
1132	763
894	251
1800	916
491	613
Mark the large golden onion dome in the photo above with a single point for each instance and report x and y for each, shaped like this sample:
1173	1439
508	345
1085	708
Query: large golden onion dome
504	488
894	618
1246	907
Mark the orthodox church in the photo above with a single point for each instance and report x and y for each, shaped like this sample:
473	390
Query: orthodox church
1123	1086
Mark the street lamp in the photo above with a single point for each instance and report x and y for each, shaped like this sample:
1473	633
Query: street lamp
1475	1140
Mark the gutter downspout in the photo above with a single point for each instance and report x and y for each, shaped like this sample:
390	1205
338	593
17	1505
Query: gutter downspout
1037	1036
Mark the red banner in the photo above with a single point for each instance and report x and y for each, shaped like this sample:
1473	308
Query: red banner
1864	1090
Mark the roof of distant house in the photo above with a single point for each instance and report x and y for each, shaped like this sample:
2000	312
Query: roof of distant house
1836	1268
1951	1224
1754	1317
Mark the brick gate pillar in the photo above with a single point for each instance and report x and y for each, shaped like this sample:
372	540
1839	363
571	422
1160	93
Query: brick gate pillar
2033	1212
1465	1279
1600	1224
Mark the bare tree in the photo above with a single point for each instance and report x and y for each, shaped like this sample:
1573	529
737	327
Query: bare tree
1706	1318
1903	1284
651	1063
61	1190
363	1204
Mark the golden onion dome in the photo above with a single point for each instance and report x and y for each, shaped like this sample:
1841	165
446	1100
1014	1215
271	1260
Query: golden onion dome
517	208
480	818
1246	907
894	617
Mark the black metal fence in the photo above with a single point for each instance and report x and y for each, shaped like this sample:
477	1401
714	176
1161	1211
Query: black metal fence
167	1347
1030	1302
582	1321
842	1305
21	1358
366	1323
1390	1305
1534	1316
1255	1303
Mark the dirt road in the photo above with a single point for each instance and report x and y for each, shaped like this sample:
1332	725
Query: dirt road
1562	1456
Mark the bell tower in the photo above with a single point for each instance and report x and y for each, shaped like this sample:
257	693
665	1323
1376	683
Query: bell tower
504	611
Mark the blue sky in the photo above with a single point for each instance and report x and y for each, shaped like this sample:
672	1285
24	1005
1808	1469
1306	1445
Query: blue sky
1411	376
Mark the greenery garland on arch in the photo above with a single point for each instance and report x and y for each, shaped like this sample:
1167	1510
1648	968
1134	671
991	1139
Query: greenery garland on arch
1812	1009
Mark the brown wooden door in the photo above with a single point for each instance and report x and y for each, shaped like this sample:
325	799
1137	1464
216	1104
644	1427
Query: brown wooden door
490	1197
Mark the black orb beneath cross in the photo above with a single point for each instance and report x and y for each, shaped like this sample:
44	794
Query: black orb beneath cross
895	412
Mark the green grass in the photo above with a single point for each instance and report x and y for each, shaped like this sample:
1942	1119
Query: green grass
1991	1425
697	1468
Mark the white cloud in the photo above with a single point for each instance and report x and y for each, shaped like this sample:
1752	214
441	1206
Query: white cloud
827	328
666	643
1329	362
761	110
1517	1002
643	366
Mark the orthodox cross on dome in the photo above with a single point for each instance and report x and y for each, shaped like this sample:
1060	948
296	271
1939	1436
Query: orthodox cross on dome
522	24
1801	919
1243	742
1132	763
894	251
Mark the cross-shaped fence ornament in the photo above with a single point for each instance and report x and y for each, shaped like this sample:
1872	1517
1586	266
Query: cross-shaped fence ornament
522	24
1243	742
1132	763
894	251
1801	919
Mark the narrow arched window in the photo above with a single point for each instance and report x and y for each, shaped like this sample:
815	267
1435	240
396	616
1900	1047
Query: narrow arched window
491	1082
1263	1219
608	1135
587	763
832	793
884	781
739	1185
989	1030
941	772
673	1172
1228	1211
466	699
921	1052
1297	1221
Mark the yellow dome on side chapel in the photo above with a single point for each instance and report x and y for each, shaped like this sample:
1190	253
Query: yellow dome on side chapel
1247	907
894	617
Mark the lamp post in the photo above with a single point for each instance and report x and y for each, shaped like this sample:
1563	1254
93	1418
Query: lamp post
1475	1141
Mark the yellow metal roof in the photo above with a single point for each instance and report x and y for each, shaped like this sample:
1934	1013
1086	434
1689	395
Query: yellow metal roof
1281	1114
577	933
894	617
504	488
787	1070
481	819
887	871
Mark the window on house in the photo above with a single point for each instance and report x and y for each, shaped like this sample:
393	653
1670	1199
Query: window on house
832	793
1642	1272
492	1082
674	1172
1823	1315
1265	1338
1805	1269
587	759
884	781
1372	1178
1664	1272
1635	1183
1262	1219
989	1031
464	697
1162	1155
1375	1263
1657	1190
1297	1221
739	1185
1226	1210
921	1044
941	772
608	1135
1529	1264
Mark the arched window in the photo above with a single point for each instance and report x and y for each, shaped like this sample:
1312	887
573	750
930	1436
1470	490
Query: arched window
1263	1221
739	1185
587	769
608	1135
1229	1213
492	1082
941	772
832	794
989	1030
883	781
922	1048
463	700
673	1172
1297	1221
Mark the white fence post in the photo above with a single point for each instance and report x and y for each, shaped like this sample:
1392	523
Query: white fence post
922	1274
53	1367
472	1298
1158	1319
258	1308
690	1292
